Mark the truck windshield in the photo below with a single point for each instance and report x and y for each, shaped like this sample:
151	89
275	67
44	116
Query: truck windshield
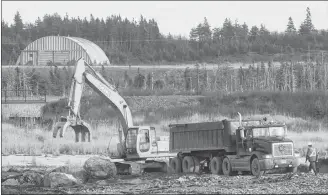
269	131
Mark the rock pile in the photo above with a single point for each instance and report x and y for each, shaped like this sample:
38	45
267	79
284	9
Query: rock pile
95	168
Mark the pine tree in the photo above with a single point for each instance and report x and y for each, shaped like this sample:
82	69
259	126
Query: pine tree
204	31
307	26
264	30
254	32
18	23
290	26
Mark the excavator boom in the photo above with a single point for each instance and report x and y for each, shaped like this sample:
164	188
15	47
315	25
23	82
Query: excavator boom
103	88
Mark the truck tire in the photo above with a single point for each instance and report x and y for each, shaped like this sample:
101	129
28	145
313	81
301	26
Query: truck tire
216	165
196	164
175	165
226	167
256	168
188	165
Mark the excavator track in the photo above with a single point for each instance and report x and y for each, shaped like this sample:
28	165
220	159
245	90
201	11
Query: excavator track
138	168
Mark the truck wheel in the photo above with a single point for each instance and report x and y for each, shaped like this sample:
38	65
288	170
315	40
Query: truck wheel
256	168
216	165
196	164
226	167
188	165
175	165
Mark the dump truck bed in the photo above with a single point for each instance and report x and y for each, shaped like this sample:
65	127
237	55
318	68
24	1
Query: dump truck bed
196	136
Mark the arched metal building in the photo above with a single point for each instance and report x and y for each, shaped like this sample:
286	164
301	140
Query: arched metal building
59	49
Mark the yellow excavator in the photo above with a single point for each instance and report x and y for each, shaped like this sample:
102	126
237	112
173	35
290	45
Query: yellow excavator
138	145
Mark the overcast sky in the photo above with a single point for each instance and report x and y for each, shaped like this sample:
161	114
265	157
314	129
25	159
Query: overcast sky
178	17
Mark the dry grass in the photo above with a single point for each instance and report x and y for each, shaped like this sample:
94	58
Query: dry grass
104	138
37	141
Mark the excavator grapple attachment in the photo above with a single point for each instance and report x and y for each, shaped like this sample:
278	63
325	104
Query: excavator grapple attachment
83	129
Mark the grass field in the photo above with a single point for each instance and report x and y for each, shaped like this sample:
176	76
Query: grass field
305	115
104	139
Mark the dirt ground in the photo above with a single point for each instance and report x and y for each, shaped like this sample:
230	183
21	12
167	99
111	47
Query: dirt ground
159	183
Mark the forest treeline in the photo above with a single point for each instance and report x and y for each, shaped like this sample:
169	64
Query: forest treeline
289	77
141	41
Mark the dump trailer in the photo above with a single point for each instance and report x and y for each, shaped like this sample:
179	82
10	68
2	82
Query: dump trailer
231	146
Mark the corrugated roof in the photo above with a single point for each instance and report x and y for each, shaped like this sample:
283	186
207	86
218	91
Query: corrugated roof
77	47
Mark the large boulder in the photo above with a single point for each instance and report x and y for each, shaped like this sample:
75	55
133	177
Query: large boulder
99	168
55	179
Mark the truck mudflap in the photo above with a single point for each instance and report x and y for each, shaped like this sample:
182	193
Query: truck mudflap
273	163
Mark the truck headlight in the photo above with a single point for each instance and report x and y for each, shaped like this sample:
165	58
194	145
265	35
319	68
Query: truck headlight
267	156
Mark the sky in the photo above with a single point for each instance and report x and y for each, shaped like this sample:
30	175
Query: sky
178	17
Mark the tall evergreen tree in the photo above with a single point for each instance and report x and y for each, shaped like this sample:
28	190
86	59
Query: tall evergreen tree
18	23
290	26
307	26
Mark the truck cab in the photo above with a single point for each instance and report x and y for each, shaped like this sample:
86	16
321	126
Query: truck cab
267	148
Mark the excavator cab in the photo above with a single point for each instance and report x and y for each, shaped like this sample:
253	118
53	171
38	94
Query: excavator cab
140	141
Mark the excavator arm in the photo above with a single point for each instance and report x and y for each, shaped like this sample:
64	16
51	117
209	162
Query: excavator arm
103	88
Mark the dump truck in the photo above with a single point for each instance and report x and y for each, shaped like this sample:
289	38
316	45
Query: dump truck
232	146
